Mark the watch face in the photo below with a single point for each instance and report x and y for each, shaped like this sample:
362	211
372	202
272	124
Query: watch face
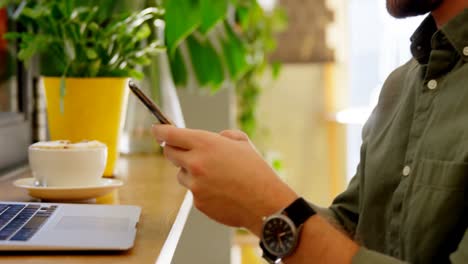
279	235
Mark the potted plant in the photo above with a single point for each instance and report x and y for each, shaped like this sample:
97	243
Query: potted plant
85	58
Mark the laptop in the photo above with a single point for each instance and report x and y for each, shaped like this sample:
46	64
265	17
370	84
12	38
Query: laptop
50	226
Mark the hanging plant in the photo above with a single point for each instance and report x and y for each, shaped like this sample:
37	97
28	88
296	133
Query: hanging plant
229	42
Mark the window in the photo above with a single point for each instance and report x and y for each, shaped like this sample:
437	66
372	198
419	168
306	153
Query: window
379	44
15	114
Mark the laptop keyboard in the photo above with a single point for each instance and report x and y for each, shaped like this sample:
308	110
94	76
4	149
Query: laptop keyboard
19	222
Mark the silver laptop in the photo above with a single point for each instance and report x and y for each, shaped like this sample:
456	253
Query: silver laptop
49	226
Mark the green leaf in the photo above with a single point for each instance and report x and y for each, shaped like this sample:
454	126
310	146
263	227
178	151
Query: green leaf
105	7
35	13
276	69
178	69
155	47
52	62
69	49
143	33
32	45
138	19
91	54
56	12
62	86
140	60
79	11
93	26
280	21
206	63
212	12
94	68
182	18
12	35
68	6
136	74
277	164
235	52
127	6
91	14
62	94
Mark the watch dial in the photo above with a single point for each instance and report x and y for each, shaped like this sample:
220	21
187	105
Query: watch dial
279	236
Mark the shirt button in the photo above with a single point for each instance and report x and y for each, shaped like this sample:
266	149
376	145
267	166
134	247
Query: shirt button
406	170
465	51
432	84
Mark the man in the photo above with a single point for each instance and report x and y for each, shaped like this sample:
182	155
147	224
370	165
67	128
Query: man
407	202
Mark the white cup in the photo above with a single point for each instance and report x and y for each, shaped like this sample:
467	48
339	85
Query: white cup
62	164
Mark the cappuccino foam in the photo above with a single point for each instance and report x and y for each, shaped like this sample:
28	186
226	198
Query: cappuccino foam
66	144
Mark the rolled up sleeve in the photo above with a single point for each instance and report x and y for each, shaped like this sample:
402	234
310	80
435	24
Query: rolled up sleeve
366	256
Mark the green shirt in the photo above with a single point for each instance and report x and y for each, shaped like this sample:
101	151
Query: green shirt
409	198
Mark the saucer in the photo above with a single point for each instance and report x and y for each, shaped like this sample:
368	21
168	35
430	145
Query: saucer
68	193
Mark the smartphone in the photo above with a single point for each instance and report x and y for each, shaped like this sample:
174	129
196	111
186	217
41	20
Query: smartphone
149	104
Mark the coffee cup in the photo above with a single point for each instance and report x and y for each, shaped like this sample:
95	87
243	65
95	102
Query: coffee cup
65	164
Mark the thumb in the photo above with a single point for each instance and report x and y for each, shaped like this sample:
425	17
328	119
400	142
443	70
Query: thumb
235	135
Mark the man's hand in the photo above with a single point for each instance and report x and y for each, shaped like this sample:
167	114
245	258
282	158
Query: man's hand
230	181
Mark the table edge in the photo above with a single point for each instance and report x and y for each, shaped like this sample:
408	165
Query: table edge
168	249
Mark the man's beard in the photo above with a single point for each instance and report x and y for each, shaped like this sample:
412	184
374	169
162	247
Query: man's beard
407	8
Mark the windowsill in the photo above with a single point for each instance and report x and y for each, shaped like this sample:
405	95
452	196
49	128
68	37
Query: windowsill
352	116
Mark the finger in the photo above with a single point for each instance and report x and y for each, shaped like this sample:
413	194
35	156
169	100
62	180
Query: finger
184	178
235	135
178	137
177	156
160	142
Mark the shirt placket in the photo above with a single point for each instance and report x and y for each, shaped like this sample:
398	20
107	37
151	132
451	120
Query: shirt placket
423	101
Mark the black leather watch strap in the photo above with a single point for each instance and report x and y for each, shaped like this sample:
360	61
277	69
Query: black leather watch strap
299	211
270	258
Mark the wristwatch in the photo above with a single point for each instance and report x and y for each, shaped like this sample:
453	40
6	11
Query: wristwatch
280	231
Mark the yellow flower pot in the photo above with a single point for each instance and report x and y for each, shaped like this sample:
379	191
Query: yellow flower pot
93	109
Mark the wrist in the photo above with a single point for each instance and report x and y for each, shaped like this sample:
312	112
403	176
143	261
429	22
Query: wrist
281	231
320	240
270	204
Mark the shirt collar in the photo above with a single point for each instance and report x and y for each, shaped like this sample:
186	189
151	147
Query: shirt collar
421	40
456	31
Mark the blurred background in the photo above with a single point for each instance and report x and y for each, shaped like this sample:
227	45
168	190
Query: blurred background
302	78
335	56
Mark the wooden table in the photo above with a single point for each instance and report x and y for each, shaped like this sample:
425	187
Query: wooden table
149	183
